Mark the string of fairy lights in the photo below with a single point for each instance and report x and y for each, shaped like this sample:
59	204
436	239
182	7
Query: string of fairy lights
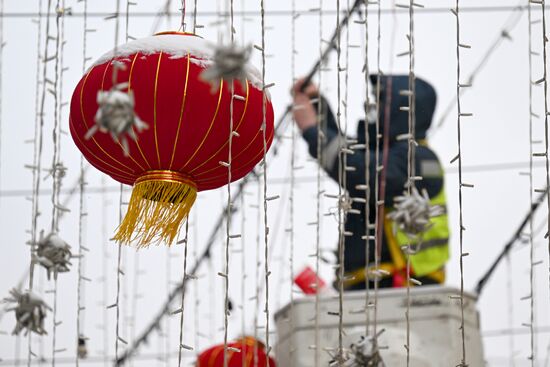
264	287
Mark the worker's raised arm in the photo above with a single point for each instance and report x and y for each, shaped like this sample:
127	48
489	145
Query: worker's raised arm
306	104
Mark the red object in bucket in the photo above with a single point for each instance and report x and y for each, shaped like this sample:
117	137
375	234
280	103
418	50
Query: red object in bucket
307	280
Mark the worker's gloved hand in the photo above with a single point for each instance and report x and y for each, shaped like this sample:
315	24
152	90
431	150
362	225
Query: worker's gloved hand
305	114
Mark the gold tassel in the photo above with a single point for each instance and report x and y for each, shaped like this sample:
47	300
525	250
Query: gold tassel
160	201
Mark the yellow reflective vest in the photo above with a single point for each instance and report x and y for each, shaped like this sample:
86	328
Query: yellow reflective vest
431	248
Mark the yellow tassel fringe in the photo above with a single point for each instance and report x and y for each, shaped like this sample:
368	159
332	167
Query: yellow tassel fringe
160	201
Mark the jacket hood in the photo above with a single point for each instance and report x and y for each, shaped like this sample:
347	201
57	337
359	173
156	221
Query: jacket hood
399	120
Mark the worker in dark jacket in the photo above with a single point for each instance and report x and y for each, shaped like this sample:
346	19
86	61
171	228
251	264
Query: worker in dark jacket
431	250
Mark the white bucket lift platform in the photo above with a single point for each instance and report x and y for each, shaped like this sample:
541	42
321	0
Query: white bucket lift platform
435	336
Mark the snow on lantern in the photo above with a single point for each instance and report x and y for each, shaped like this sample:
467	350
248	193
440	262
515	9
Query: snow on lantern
178	129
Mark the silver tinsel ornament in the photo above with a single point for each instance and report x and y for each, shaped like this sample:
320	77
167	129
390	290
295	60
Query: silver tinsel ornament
53	254
30	312
229	64
117	117
412	212
360	354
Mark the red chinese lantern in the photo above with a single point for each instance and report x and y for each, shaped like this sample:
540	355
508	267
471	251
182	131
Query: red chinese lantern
175	143
240	349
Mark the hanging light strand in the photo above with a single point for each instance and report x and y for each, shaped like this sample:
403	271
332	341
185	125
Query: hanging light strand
456	12
291	227
37	153
264	176
81	214
120	272
546	110
368	241
182	346
341	199
410	163
531	242
228	216
55	172
319	195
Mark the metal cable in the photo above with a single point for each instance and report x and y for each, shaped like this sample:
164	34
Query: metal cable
228	216
182	306
531	244
366	207
411	152
264	176
341	200
120	272
104	275
461	184
55	172
510	294
318	203
276	13
291	228
196	288
546	111
80	287
243	233
195	17
37	158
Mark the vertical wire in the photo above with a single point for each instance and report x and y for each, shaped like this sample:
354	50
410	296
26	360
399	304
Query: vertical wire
37	153
195	17
377	199
341	178
509	278
137	271
531	244
229	203
81	214
104	274
546	112
460	184
243	228
119	252
318	202
183	11
368	102
410	163
54	319
196	288
381	165
135	297
118	274
264	165
166	331
243	273
56	87
182	309
257	273
292	181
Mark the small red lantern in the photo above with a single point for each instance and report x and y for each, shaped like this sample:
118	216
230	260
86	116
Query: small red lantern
177	133
239	350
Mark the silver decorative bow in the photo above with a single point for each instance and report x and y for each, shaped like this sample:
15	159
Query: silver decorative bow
30	312
412	212
229	63
53	254
117	117
360	354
